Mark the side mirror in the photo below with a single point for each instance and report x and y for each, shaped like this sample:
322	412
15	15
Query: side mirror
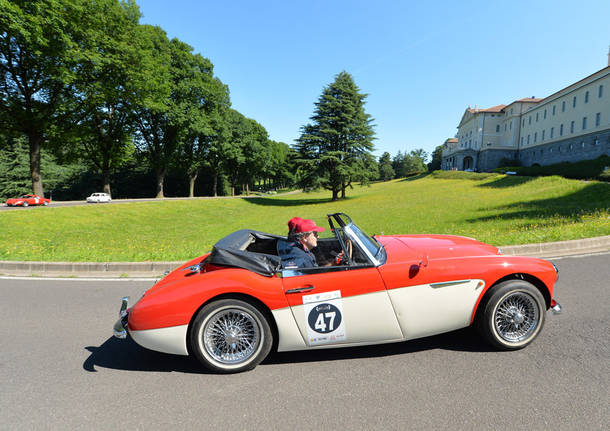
423	260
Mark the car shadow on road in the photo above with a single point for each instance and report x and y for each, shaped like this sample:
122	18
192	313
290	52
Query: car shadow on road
128	355
463	340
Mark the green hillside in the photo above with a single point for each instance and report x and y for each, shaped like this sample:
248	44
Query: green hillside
497	209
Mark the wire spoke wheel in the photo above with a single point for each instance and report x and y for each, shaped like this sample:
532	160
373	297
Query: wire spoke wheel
231	336
516	317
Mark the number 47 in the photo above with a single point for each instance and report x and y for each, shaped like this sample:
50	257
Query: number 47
321	321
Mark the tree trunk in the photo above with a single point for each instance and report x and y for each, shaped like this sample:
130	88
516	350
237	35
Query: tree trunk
106	181
160	180
343	191
192	179
35	140
215	184
335	195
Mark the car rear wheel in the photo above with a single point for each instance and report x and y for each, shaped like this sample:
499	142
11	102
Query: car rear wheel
25	204
45	203
230	336
513	315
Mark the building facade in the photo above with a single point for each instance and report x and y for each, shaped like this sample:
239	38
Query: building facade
572	124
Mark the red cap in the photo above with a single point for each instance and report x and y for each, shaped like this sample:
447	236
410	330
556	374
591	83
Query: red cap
299	225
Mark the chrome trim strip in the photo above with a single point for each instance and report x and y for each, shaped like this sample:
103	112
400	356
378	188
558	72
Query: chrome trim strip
301	289
448	283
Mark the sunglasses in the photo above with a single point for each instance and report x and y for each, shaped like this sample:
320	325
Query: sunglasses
314	234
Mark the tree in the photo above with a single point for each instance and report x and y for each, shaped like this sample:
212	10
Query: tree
386	172
437	159
109	71
37	58
334	148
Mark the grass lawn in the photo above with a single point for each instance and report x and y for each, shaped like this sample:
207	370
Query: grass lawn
497	209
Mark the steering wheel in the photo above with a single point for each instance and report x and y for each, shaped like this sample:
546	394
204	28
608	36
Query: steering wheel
350	248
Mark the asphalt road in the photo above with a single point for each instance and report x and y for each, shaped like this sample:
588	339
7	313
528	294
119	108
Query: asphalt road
61	369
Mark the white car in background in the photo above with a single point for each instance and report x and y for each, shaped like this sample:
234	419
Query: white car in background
99	197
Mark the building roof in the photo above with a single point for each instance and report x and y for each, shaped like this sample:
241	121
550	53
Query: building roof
497	108
528	100
451	141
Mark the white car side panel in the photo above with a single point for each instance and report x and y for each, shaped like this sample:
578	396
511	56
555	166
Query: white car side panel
166	340
433	309
290	337
368	319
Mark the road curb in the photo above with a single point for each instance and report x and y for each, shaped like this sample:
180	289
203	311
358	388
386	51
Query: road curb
155	269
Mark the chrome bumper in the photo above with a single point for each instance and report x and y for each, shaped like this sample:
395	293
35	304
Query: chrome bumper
555	307
120	327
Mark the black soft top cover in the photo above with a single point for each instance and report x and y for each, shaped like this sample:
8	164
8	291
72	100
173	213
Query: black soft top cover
248	249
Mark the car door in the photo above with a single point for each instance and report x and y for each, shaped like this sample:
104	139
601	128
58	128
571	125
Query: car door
340	305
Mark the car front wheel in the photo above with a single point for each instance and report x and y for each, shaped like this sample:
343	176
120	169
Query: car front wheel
230	336
25	204
513	316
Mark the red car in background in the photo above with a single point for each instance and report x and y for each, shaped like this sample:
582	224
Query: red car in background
27	200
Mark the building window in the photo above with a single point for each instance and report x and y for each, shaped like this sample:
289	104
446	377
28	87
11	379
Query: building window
523	124
596	141
551	150
563	106
530	120
528	139
600	91
510	125
586	97
553	109
572	127
582	145
521	140
545	114
561	130
584	123
535	137
505	127
497	128
511	111
542	136
536	117
571	147
552	132
574	102
598	119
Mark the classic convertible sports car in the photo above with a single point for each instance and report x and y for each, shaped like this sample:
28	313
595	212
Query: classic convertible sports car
27	200
230	307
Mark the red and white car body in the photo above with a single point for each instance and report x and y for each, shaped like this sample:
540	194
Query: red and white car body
391	288
27	200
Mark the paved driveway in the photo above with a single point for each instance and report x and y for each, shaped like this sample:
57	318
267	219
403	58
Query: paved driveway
60	369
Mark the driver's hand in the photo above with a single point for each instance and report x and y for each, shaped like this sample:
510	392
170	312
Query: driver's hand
339	258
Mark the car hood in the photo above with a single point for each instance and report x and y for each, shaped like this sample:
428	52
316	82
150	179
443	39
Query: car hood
406	247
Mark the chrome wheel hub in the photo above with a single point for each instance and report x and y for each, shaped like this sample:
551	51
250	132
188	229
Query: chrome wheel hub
516	317
231	336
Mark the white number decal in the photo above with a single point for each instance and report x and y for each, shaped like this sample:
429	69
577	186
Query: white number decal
320	323
332	315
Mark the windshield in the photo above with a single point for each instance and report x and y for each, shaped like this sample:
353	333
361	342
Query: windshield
370	243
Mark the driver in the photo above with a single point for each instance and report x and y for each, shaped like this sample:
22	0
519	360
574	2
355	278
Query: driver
295	252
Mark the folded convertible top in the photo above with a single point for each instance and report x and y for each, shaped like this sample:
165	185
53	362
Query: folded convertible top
233	251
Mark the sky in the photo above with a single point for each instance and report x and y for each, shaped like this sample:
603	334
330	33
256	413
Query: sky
420	63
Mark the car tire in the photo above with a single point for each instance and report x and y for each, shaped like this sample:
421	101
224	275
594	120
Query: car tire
25	204
45	203
513	315
230	336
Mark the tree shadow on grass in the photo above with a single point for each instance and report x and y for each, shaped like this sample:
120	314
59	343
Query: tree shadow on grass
508	181
416	177
129	356
588	200
274	202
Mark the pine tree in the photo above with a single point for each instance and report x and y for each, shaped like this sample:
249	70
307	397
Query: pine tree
334	150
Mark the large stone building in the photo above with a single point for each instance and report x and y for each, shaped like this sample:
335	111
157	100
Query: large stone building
570	125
